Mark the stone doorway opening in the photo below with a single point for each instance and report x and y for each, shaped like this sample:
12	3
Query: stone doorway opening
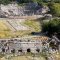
13	51
20	50
38	50
28	50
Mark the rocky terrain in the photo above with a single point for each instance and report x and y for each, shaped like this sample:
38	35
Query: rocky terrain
24	10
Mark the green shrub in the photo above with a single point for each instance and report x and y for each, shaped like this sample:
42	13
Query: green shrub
55	9
52	26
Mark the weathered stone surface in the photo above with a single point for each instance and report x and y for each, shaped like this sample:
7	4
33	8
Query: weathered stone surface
26	10
22	45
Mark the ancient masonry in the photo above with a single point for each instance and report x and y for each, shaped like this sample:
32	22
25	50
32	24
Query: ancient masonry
18	45
25	10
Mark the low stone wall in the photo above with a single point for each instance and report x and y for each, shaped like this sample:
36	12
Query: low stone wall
27	10
26	17
21	45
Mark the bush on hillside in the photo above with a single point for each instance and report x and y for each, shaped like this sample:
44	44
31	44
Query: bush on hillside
51	27
55	9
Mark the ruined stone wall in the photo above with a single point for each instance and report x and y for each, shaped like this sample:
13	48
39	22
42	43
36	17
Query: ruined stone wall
20	46
25	10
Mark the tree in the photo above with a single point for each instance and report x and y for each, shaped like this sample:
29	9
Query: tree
24	1
57	1
52	26
38	1
4	1
54	9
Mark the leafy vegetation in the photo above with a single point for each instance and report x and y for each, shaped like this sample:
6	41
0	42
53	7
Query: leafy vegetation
52	26
55	9
38	1
33	24
27	1
4	1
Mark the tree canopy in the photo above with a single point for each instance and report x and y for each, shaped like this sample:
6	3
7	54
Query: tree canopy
27	1
55	9
53	26
5	1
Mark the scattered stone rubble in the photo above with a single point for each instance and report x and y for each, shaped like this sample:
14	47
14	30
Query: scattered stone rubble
25	10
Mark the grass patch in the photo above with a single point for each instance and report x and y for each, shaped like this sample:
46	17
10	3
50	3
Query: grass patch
6	32
25	57
3	26
33	24
11	34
